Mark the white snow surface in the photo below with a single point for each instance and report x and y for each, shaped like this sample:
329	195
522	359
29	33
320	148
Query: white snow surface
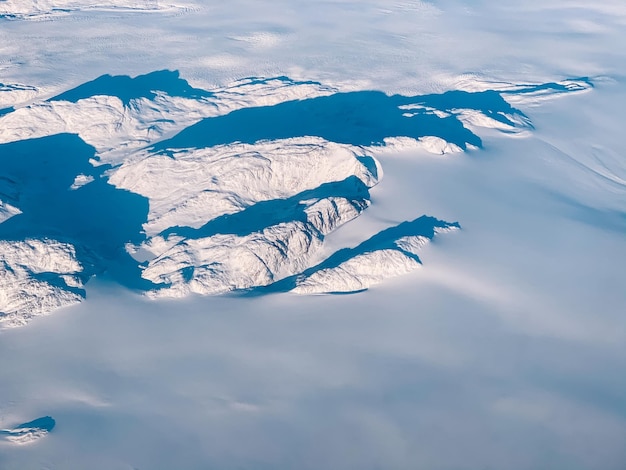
81	180
431	144
358	273
507	346
188	188
115	128
364	270
22	436
36	277
27	433
7	211
195	186
12	94
42	9
223	263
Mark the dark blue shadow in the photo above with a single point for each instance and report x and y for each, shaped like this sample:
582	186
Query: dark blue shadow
424	226
127	88
268	213
552	86
98	218
282	78
357	118
47	423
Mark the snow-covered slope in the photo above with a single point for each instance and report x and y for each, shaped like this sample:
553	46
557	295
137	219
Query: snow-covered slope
116	114
233	188
7	211
12	94
27	433
36	277
286	238
198	185
388	254
505	349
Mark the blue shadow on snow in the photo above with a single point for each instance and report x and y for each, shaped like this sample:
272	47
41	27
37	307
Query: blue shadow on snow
424	226
46	423
264	214
102	218
127	88
98	218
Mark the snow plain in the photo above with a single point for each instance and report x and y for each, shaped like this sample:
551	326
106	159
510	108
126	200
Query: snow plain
504	351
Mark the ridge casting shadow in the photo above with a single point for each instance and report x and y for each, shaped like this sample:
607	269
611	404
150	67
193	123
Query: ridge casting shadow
424	226
96	217
127	88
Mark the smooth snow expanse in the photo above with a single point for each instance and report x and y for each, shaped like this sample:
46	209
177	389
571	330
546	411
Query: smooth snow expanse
505	349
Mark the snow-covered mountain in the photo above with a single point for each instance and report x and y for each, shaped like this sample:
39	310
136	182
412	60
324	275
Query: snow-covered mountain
174	190
390	253
37	276
27	433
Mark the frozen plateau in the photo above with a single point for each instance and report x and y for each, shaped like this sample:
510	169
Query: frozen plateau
339	234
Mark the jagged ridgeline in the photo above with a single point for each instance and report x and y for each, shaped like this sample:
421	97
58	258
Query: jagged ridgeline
26	433
169	189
